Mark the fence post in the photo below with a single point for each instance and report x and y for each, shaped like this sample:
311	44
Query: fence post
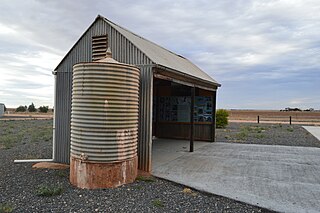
290	120
258	119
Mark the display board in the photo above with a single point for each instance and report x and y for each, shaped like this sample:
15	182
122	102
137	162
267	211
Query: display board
177	108
203	109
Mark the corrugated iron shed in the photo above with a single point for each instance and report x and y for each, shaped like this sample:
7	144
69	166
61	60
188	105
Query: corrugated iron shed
129	48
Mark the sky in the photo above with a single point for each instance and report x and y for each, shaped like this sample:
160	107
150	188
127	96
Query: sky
265	53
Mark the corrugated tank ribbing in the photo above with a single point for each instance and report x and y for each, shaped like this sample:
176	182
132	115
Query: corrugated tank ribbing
102	94
123	51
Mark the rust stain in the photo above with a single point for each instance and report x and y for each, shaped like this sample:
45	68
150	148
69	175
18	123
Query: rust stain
91	175
123	136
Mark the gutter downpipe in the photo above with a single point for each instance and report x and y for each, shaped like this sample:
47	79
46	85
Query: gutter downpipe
54	116
53	134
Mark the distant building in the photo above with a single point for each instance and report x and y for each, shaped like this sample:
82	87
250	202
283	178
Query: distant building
291	109
1	110
167	81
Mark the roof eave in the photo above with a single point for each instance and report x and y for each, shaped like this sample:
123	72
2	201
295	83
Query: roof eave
187	75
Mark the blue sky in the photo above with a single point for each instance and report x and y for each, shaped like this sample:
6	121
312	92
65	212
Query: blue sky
265	53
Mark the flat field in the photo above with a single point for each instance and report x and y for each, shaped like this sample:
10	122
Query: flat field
26	116
275	116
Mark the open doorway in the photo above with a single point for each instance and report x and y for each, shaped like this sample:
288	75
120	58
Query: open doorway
171	125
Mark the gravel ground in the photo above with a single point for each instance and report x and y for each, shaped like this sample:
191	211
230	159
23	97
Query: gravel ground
267	134
19	184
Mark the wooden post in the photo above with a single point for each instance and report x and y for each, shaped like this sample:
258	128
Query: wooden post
290	120
192	119
258	119
213	126
157	112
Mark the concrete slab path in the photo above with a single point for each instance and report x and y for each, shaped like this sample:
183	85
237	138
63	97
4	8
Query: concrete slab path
314	130
280	178
166	150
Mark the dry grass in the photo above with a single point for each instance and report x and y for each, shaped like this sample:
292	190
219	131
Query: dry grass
23	131
6	208
274	115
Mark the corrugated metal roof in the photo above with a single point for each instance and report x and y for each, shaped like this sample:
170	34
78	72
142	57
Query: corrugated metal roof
162	56
155	53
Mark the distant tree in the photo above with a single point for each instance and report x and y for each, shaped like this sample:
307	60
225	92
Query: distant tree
21	108
32	108
44	109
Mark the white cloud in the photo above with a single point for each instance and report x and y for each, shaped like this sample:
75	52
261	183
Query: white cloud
6	30
237	42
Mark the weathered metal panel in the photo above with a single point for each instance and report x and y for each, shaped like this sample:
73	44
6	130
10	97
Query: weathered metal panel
145	119
123	51
105	109
79	53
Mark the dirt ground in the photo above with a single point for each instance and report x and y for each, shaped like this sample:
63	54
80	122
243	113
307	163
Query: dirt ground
267	134
23	189
26	116
274	116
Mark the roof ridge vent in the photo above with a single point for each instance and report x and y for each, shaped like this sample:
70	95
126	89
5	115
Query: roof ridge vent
108	57
108	53
99	47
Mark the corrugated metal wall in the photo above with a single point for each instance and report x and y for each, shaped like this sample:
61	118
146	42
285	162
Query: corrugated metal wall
62	118
145	119
123	51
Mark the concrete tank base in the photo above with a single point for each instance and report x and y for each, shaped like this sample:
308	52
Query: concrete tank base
94	175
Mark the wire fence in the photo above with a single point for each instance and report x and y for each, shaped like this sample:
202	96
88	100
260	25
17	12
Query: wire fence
312	118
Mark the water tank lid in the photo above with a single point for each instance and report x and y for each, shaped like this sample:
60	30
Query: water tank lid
108	58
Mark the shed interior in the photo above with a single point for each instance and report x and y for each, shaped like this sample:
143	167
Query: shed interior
172	111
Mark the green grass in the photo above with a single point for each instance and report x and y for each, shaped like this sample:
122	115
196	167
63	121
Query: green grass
254	131
48	191
41	135
5	208
158	203
138	187
62	173
259	136
242	135
290	129
14	132
9	139
33	155
145	179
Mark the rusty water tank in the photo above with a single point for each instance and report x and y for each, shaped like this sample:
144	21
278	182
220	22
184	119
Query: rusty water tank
104	124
